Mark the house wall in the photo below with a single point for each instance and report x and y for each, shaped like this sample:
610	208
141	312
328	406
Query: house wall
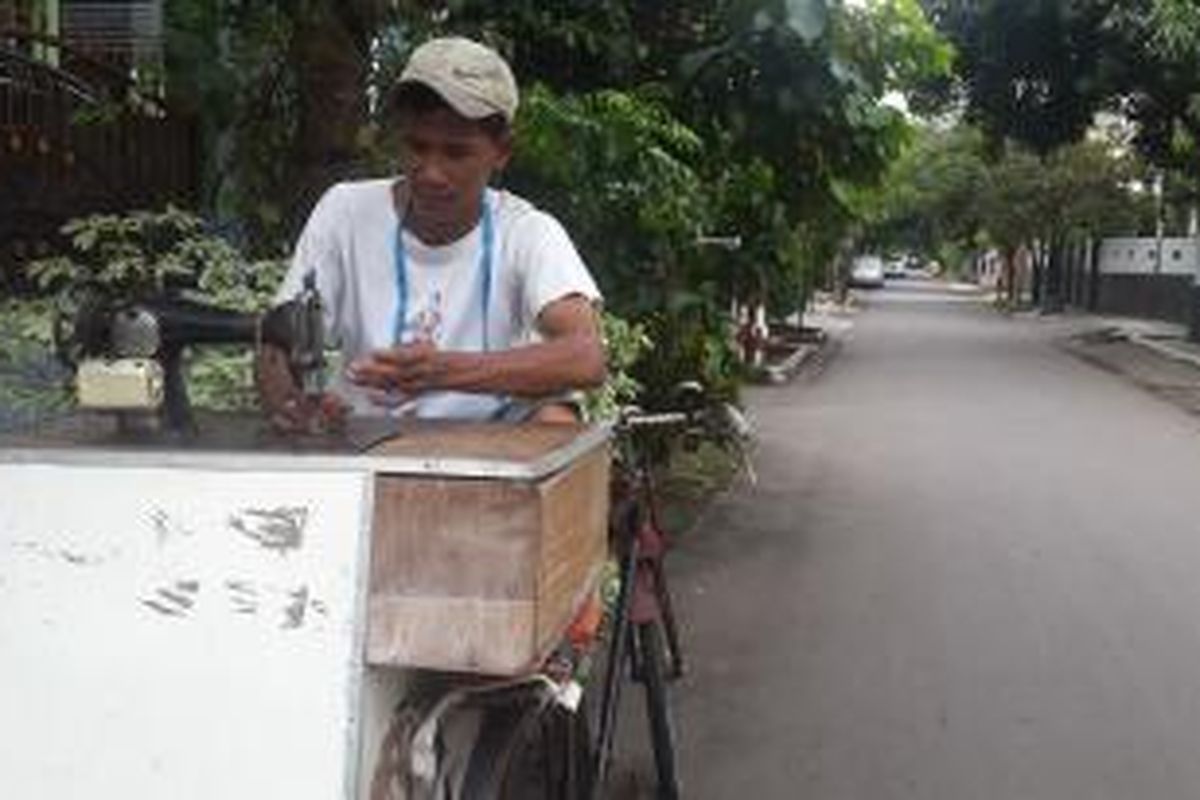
1129	256
1143	278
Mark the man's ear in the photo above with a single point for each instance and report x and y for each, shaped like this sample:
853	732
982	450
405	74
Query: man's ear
504	151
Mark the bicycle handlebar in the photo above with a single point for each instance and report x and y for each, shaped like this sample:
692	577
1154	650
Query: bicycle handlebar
723	418
636	419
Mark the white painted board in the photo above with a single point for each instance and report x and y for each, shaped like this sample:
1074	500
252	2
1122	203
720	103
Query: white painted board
1141	256
179	633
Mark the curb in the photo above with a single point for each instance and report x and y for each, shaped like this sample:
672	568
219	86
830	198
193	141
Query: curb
808	360
784	371
1164	350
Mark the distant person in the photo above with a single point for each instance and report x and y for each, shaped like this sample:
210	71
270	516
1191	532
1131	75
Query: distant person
448	298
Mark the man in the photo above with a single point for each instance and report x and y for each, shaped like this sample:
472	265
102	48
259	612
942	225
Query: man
448	298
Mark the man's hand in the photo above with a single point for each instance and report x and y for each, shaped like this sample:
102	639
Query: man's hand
289	409
409	369
308	414
570	356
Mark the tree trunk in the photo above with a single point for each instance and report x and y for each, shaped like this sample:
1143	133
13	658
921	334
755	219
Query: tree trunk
1010	277
1038	283
1093	294
330	53
1052	292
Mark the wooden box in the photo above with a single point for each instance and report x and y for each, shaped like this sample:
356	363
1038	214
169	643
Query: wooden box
480	562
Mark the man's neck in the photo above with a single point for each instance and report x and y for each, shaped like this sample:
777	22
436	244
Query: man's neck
437	233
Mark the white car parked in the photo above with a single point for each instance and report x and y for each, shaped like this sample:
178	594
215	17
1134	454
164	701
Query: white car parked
867	272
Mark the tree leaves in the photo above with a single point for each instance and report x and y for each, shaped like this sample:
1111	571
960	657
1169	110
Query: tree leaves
946	195
143	254
622	173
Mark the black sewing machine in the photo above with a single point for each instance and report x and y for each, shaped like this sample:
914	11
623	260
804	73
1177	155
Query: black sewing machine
129	355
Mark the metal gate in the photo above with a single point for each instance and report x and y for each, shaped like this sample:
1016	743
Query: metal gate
76	138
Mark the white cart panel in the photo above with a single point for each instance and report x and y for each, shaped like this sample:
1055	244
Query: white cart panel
171	633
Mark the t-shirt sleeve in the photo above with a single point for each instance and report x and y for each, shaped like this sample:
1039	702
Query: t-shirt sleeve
319	250
553	267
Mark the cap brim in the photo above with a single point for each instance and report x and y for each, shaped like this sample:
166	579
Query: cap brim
462	103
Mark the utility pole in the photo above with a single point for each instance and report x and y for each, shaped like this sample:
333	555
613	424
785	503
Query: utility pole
1158	222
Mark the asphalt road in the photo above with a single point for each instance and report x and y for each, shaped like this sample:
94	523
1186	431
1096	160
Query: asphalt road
970	569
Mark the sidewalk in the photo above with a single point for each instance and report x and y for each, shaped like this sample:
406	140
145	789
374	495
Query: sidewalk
1157	356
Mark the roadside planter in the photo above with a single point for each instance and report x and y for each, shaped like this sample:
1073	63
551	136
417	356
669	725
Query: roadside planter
786	351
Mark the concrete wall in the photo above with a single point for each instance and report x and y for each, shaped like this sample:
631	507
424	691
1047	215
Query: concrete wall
1127	256
1120	276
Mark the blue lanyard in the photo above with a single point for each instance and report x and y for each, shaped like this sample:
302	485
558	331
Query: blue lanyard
485	269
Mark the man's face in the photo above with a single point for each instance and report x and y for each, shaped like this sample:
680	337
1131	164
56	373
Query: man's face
448	161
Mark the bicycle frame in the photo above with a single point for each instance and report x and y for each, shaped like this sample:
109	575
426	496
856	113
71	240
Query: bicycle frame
643	599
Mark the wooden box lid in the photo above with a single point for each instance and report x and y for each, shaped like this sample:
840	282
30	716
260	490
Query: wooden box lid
525	451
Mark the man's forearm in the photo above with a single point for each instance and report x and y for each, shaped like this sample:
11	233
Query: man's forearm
536	370
276	386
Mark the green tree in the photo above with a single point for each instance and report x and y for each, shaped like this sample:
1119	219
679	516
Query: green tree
281	89
1176	25
929	202
950	194
797	86
1029	70
1157	85
1038	71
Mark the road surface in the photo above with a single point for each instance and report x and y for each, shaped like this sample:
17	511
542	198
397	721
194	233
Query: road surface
970	569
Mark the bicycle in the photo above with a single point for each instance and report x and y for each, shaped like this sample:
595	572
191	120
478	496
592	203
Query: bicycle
530	746
643	612
528	742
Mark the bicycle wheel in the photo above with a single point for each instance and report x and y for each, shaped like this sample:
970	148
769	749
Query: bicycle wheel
530	750
650	647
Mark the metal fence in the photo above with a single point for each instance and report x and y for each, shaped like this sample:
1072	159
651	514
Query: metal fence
75	140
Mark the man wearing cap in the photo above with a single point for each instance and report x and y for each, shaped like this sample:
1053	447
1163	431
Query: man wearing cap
449	298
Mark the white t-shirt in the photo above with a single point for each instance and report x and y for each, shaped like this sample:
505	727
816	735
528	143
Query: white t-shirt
349	242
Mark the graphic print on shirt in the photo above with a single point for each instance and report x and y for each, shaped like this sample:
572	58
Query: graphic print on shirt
427	327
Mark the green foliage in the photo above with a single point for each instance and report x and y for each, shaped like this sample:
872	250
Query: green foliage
1037	71
577	46
134	255
792	92
948	195
747	201
621	172
31	381
1010	200
1156	82
1176	25
228	65
626	343
691	342
930	197
281	88
1029	69
1086	188
893	45
1082	188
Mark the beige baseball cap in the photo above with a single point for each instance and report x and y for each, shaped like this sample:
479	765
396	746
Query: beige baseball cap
473	79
